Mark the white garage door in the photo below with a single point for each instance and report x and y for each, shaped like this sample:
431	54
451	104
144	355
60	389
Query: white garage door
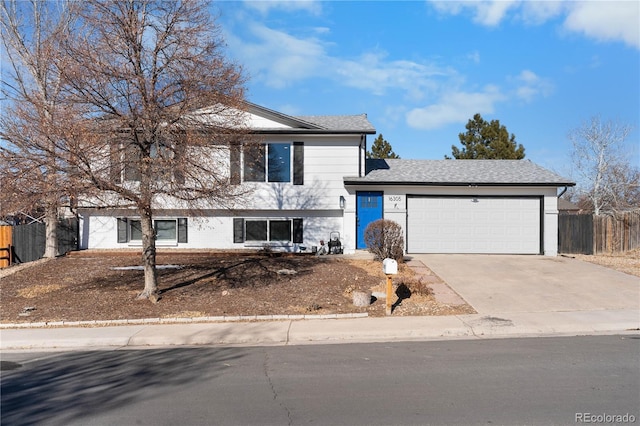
473	225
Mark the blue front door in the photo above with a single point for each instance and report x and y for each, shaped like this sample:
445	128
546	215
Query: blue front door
368	209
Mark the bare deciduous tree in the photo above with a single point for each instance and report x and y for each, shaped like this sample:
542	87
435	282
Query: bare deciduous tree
604	172
32	181
155	109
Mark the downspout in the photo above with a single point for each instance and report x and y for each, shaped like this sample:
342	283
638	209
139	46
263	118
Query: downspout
563	191
560	195
363	153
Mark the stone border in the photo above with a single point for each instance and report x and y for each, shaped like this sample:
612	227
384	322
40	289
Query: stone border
192	320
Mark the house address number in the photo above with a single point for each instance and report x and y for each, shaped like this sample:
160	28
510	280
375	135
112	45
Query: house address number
395	202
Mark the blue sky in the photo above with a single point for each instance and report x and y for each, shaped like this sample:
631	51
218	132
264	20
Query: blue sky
421	69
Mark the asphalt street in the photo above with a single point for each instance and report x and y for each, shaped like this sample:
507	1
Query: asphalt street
544	380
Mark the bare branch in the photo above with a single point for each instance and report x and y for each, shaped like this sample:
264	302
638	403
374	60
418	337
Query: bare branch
605	175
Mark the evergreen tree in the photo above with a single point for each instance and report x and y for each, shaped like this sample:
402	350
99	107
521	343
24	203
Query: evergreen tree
487	141
381	149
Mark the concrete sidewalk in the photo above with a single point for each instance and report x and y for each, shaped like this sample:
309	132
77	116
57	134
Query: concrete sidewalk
322	331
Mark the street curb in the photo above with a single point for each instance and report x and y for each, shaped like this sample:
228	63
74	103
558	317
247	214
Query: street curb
317	330
172	320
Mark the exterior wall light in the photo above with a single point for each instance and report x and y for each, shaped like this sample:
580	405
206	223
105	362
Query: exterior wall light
343	202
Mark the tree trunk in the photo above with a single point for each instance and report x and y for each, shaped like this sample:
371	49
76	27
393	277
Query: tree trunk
149	258
51	230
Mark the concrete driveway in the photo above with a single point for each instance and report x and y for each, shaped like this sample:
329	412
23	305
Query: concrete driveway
508	284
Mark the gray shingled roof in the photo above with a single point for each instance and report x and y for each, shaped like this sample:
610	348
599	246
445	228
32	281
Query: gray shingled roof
457	172
358	123
314	123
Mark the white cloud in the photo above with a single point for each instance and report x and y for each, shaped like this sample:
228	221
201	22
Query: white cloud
530	86
474	57
280	60
321	30
454	107
488	13
605	21
599	20
265	6
492	13
371	72
448	7
538	12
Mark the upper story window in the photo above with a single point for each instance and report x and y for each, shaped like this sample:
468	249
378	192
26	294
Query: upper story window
271	162
126	162
279	162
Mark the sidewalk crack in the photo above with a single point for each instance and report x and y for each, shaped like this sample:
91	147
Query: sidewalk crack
469	326
286	342
133	335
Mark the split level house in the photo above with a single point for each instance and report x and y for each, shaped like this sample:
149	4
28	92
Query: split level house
314	182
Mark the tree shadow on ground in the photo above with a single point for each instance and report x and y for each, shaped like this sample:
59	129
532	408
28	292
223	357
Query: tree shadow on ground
72	386
254	271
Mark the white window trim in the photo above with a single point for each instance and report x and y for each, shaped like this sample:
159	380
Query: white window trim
266	163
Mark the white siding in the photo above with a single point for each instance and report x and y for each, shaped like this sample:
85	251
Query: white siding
211	230
327	160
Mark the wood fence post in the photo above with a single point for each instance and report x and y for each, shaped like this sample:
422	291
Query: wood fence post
6	252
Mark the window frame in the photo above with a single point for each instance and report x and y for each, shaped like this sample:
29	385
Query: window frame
295	230
126	228
124	158
278	160
259	163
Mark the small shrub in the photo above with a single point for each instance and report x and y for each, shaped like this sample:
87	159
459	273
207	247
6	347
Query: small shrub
384	239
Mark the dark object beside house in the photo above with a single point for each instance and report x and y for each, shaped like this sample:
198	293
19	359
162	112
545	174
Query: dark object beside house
335	246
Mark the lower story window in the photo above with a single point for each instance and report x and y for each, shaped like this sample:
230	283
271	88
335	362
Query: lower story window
280	230
283	230
167	230
256	230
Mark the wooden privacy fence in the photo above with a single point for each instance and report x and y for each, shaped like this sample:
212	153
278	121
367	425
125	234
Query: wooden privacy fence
590	234
6	252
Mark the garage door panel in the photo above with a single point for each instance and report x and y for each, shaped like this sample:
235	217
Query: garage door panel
473	225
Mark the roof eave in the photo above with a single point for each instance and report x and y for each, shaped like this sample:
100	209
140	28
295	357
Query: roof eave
464	184
283	118
313	131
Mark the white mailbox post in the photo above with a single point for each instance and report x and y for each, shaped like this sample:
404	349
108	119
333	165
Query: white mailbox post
389	267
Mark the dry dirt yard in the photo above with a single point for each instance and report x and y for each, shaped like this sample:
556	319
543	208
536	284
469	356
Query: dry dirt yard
86	285
627	262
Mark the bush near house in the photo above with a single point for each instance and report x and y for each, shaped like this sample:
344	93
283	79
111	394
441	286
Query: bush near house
384	239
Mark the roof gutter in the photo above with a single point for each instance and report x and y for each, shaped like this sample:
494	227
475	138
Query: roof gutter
347	181
312	132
